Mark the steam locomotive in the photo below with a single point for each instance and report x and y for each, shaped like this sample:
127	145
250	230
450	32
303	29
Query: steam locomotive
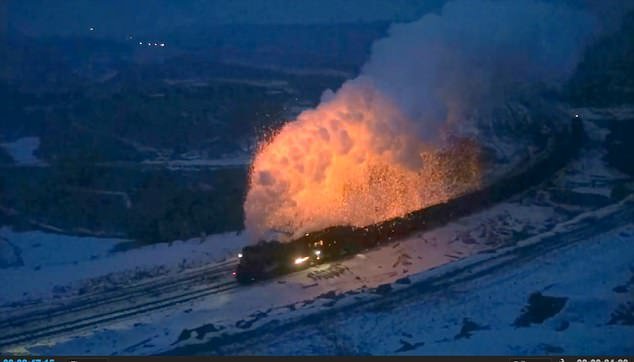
269	259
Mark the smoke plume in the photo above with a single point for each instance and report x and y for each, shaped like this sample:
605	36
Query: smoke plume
399	136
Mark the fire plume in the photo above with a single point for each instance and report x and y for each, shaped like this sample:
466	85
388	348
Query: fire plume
402	136
354	160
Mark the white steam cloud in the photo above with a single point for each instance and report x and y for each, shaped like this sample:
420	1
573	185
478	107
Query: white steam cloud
378	147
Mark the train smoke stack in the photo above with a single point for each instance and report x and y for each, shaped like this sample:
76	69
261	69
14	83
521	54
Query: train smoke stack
401	135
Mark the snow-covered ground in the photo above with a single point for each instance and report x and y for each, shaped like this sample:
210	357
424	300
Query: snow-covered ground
248	320
53	265
577	300
458	288
23	150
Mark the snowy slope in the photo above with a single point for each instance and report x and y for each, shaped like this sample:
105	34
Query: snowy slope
459	259
582	290
52	265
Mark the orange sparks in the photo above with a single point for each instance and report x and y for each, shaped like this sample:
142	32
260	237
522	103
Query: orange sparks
354	160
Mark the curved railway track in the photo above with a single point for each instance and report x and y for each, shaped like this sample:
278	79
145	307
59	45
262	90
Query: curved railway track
576	230
89	311
83	302
44	330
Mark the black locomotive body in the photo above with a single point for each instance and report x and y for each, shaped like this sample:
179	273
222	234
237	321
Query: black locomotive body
269	259
272	258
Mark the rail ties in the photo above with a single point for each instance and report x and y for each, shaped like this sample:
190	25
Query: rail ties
122	313
83	304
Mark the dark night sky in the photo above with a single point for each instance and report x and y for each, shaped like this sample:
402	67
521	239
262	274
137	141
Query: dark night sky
120	17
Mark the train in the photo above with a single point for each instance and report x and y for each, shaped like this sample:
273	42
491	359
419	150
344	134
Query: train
269	259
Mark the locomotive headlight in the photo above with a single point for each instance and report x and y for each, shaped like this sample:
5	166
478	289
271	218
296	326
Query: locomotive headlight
300	260
239	255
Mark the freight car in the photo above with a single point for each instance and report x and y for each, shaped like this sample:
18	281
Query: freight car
269	259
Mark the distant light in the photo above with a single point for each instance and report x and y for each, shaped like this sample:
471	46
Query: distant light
317	252
92	29
140	43
240	255
300	260
576	116
149	44
155	44
162	44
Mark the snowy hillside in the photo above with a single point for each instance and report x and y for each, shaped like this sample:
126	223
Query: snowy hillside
577	300
551	268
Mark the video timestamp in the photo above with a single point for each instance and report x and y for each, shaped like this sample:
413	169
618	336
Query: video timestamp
603	360
28	360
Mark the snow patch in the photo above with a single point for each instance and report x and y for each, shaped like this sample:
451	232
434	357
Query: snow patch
23	151
54	262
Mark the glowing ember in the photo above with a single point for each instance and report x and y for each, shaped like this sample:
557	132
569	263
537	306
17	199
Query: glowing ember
401	135
354	160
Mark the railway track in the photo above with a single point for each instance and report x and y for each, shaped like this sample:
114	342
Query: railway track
43	330
95	299
90	311
577	230
586	227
